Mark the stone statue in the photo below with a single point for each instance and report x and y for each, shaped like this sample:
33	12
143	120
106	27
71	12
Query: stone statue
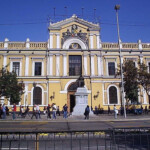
81	81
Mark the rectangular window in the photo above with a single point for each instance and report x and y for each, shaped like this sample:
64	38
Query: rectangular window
16	67
111	68
75	65
38	69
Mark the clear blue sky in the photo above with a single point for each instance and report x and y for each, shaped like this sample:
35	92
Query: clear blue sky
21	19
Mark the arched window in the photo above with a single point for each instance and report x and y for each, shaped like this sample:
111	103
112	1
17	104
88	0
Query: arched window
113	95
37	96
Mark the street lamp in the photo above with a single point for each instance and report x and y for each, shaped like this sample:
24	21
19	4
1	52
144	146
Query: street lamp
117	7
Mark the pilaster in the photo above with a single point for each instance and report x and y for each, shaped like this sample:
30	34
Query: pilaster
64	64
57	64
92	65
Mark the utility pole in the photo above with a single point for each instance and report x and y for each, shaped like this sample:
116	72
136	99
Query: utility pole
117	7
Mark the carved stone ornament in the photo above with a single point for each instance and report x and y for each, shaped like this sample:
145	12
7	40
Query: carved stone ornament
75	32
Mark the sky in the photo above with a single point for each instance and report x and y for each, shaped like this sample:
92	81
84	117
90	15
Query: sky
22	19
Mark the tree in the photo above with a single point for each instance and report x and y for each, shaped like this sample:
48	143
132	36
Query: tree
130	82
9	86
144	78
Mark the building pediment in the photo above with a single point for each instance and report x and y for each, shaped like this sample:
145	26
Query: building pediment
74	19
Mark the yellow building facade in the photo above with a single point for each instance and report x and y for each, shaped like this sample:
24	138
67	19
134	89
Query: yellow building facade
50	69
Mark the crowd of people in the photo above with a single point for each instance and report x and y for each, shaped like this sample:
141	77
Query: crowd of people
51	111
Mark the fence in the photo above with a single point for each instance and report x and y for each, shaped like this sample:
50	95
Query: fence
116	139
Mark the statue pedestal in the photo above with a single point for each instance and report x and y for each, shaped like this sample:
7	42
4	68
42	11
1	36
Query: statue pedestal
81	101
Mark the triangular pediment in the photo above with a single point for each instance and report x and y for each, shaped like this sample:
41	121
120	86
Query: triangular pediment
57	26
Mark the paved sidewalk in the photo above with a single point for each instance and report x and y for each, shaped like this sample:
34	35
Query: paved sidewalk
100	117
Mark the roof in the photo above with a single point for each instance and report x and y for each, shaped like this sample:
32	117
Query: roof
74	18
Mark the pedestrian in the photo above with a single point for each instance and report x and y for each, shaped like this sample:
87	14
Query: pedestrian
109	112
54	108
4	111
65	110
38	112
44	110
34	112
27	111
20	112
121	110
1	111
14	111
58	111
146	110
48	112
115	112
7	111
96	110
87	111
142	108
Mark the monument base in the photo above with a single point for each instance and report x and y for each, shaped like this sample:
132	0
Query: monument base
81	102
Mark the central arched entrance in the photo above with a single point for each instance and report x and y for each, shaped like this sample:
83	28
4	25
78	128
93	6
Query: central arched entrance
71	96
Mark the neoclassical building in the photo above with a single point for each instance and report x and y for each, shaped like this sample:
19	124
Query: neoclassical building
50	69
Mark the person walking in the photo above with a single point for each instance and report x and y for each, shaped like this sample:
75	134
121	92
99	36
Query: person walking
146	110
38	112
54	108
96	110
4	111
7	111
65	110
87	111
27	111
115	112
48	112
20	112
58	111
14	111
34	112
44	110
1	111
109	111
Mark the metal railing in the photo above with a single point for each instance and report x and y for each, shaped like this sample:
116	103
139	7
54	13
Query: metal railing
114	139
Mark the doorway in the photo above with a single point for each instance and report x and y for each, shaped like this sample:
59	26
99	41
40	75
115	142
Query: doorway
71	96
72	102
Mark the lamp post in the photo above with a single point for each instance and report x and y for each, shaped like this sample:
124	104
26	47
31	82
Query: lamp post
117	7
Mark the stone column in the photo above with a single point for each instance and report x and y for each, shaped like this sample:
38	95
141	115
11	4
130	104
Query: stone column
4	60
51	40
57	64
91	41
99	65
65	65
26	95
98	41
85	64
92	65
27	66
51	64
58	40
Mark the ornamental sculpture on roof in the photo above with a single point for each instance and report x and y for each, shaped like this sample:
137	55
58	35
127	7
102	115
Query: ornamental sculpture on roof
75	32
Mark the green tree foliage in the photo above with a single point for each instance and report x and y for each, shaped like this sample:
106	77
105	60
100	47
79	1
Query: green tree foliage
9	86
144	77
130	73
